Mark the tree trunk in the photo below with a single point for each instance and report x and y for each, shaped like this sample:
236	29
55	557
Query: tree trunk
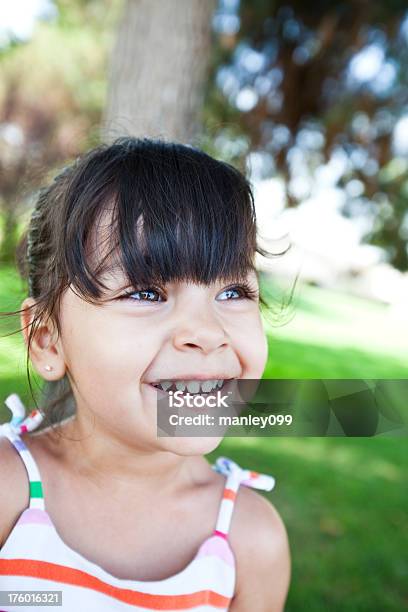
159	69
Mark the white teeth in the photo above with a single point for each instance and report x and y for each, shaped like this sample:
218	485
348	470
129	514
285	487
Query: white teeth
207	385
165	385
193	386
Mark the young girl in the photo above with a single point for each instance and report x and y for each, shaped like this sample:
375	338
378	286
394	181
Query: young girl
140	267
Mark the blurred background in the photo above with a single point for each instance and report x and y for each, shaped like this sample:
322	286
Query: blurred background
310	100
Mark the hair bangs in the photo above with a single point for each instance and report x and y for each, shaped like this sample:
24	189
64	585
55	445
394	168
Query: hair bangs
177	215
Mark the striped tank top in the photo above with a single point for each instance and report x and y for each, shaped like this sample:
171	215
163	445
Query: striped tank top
35	558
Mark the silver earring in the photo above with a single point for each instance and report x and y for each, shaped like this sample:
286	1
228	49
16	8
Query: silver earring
48	368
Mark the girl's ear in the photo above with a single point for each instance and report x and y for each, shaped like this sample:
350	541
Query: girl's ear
45	348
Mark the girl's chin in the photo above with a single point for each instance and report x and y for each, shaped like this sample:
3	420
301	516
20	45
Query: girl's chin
182	445
187	446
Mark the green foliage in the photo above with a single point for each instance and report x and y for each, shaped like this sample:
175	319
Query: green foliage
294	59
52	94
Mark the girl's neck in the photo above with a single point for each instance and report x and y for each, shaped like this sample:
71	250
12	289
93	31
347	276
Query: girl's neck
101	457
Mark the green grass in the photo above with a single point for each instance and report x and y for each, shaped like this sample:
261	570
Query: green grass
343	500
344	503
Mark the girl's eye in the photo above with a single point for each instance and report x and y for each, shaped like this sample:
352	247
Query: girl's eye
151	294
243	291
144	295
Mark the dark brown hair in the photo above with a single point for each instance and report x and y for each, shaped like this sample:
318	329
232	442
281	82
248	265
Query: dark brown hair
177	214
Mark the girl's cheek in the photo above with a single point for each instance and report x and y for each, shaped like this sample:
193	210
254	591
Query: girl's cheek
254	352
264	358
263	348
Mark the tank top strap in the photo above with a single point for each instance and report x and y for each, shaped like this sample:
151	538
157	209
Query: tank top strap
235	477
17	425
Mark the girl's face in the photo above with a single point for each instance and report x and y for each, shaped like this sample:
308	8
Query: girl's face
114	351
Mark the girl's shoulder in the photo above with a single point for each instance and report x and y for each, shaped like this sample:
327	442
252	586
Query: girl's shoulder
259	539
253	514
14	488
14	481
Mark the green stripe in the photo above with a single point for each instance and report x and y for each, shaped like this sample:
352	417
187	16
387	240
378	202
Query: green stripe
36	489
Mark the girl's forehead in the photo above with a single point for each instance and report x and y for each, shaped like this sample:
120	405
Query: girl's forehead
101	250
98	247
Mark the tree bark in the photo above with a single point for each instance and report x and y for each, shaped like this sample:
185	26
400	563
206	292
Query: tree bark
159	69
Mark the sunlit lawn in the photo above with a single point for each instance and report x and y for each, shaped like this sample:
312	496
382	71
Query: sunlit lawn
344	500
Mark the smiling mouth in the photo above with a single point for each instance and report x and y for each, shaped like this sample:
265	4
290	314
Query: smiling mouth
193	387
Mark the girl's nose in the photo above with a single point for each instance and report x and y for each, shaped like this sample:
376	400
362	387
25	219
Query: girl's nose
201	333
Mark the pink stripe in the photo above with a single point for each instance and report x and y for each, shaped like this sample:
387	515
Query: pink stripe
34	515
218	548
220	533
248	481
